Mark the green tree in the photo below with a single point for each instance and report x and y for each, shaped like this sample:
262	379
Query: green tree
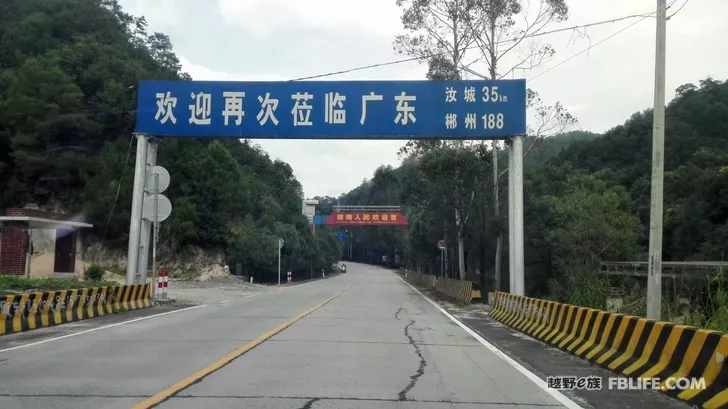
586	199
67	99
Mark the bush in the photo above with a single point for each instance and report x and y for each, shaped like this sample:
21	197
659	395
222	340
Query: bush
94	272
583	286
10	283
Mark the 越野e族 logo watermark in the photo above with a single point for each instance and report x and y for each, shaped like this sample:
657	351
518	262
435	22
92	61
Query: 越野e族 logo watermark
623	383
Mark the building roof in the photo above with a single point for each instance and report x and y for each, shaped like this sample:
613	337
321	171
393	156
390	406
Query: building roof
43	223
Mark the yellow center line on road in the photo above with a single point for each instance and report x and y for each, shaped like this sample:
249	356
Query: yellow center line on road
197	376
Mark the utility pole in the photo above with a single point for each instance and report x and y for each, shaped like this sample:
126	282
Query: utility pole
280	246
518	287
155	237
654	262
147	226
496	212
511	218
135	223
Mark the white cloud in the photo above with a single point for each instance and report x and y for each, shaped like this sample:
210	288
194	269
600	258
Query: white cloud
163	15
327	167
202	73
250	40
263	17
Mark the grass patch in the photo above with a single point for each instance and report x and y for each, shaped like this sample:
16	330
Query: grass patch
22	284
706	307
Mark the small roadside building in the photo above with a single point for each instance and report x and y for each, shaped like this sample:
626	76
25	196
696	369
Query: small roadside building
20	229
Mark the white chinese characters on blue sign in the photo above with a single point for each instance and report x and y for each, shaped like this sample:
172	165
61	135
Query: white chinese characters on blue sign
268	108
200	108
470	121
233	107
386	110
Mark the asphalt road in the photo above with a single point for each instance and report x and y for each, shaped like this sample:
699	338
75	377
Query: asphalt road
364	339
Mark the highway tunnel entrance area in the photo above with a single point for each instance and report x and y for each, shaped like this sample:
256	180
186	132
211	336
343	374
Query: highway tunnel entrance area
325	110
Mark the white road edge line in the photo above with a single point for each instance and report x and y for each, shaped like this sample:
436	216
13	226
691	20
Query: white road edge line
560	397
97	329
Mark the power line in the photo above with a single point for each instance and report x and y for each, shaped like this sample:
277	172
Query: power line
645	16
642	17
404	60
118	192
587	49
678	10
426	56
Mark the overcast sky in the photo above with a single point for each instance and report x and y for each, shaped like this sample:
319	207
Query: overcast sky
284	39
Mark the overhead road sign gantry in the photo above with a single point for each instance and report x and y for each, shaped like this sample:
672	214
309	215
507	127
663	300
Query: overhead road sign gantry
366	208
387	110
457	110
370	218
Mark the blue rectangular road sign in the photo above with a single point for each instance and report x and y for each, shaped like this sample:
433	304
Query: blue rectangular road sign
333	109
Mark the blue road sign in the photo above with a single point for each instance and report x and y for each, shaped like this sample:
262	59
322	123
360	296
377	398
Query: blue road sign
333	109
342	236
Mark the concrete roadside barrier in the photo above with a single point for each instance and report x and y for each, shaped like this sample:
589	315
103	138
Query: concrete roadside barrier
476	293
25	312
461	291
633	347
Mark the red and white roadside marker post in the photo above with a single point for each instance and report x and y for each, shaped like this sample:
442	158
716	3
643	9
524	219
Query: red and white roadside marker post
289	276
162	283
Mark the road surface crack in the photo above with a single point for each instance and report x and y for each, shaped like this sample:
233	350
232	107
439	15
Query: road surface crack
396	314
420	370
309	404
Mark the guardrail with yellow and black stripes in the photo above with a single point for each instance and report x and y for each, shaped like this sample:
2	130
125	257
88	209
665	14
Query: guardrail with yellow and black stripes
24	312
460	290
628	345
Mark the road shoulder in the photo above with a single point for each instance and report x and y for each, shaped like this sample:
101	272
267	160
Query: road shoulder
545	361
64	330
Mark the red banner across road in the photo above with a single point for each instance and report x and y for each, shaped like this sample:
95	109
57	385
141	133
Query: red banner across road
366	219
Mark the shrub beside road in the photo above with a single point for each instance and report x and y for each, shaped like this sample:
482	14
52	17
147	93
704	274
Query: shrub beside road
15	284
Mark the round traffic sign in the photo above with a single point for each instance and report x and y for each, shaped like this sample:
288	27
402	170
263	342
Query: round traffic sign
441	244
164	208
163	181
280	243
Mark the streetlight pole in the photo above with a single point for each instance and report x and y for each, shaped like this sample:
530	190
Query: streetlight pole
654	262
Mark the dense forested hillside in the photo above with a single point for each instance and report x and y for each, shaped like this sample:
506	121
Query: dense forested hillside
586	198
68	76
696	169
